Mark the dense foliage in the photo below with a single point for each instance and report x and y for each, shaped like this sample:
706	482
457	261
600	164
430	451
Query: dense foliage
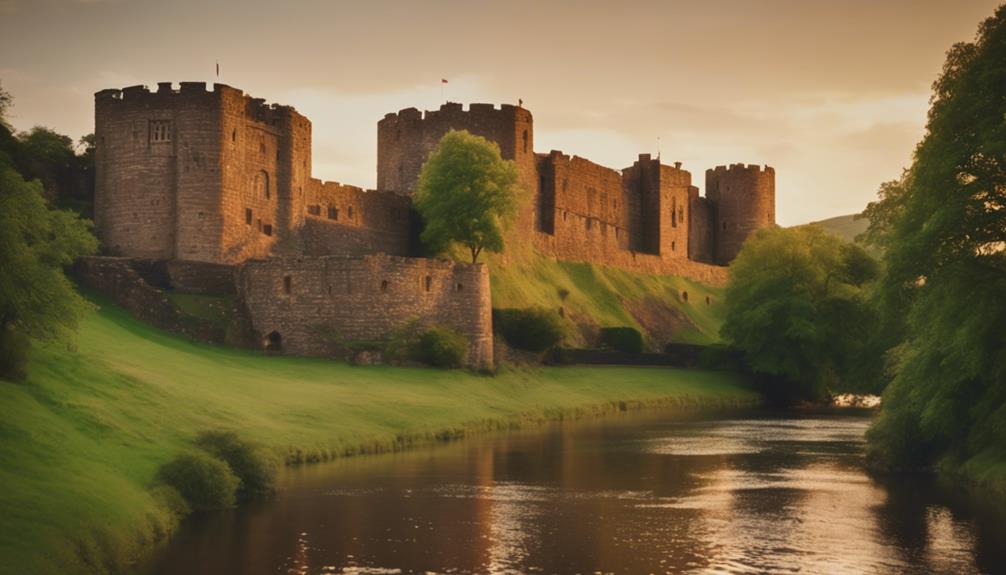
36	243
943	230
797	307
205	482
467	195
441	347
533	329
622	338
250	463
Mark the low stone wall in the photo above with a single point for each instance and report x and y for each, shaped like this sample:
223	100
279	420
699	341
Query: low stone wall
322	306
202	277
117	279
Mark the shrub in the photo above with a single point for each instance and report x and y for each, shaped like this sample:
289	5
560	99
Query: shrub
253	465
204	481
14	349
441	347
622	338
532	329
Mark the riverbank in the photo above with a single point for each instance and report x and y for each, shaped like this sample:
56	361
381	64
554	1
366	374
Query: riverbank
82	440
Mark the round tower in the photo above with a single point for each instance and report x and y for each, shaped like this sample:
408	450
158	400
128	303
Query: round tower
743	201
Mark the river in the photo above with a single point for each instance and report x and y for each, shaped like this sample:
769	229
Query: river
646	492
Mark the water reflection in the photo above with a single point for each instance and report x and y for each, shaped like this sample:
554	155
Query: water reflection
655	494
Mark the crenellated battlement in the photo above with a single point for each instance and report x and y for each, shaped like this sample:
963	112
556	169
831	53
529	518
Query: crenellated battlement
456	110
192	93
742	168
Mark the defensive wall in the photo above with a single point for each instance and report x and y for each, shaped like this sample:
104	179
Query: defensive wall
322	305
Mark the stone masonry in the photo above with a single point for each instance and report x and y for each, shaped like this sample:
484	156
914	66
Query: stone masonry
213	176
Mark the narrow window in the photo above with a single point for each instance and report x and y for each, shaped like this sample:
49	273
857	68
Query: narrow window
287	284
261	185
333	213
234	135
160	131
525	141
428	283
314	210
384	285
674	213
460	287
350	212
674	246
248	216
267	229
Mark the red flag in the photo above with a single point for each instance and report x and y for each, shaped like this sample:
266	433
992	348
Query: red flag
443	81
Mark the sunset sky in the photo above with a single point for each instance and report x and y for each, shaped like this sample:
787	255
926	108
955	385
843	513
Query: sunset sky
833	94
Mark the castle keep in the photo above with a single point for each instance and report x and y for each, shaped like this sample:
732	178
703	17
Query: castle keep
219	180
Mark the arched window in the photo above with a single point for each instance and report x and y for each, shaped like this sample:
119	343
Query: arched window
261	185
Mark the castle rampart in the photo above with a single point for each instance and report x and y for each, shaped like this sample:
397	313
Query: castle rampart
322	305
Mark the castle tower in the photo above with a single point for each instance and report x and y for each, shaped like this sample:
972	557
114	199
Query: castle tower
660	207
200	175
743	201
406	139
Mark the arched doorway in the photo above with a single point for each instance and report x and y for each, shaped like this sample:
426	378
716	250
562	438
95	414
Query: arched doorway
274	342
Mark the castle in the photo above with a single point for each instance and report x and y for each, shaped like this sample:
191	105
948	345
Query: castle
217	182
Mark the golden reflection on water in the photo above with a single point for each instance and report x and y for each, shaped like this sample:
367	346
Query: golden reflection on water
760	495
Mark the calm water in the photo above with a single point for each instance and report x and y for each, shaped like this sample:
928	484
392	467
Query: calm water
653	493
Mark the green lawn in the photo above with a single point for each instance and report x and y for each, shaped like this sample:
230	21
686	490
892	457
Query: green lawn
600	296
81	441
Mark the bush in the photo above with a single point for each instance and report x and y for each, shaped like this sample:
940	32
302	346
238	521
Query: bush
533	329
626	339
204	481
253	466
14	348
441	347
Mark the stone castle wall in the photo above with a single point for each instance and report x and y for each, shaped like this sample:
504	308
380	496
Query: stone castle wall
744	197
319	305
347	220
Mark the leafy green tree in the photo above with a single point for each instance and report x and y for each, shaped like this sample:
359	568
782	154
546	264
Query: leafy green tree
943	232
796	306
36	243
467	195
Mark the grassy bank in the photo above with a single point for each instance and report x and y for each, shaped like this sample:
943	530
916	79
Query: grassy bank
595	296
81	441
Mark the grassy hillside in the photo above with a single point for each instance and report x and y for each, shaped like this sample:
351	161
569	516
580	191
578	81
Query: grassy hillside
81	441
845	227
595	296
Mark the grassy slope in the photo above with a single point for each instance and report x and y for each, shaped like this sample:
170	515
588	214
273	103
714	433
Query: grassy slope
81	441
603	296
845	227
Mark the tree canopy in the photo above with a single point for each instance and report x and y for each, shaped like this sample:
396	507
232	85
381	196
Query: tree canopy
943	230
796	305
467	195
36	299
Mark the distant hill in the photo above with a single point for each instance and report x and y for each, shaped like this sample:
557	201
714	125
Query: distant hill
845	227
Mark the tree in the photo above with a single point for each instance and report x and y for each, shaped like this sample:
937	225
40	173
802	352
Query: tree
36	243
467	195
797	307
943	235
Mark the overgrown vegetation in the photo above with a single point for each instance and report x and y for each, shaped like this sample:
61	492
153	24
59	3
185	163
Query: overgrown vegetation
250	463
942	228
626	339
441	346
593	296
467	194
36	243
205	482
798	308
82	442
534	329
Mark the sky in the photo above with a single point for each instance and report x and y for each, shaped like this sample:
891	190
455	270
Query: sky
832	94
